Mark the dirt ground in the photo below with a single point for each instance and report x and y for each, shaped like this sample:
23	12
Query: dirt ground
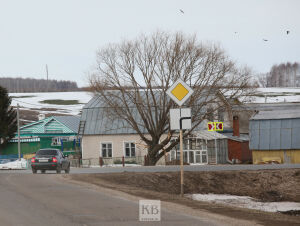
265	185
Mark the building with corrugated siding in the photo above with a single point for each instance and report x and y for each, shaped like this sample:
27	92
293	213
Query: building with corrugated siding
275	136
51	132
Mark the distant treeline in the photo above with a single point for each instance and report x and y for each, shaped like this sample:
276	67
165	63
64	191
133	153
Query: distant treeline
284	75
21	85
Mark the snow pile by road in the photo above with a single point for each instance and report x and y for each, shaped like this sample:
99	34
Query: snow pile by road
246	202
18	164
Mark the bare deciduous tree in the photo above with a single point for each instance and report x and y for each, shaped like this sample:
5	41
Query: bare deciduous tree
132	79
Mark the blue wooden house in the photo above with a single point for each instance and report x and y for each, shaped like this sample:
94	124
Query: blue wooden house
51	132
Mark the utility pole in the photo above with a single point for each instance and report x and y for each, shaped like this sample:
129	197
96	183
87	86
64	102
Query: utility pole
47	71
47	78
19	145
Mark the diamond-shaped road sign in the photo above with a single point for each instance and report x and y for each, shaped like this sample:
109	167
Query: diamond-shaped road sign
180	92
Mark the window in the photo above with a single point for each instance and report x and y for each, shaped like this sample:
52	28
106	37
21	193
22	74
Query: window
56	141
106	150
52	152
129	149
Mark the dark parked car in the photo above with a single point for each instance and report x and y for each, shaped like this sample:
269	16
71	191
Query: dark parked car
50	159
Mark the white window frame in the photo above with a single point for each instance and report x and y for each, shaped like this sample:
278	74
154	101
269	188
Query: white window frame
55	141
112	148
124	149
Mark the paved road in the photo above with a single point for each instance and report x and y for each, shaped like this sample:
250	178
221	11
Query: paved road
171	168
44	199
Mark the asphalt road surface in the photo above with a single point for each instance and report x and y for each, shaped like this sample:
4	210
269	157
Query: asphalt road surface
45	199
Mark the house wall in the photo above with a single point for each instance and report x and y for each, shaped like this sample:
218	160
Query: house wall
286	156
91	145
275	134
239	150
32	147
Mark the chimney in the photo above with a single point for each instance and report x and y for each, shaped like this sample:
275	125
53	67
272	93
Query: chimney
41	116
236	126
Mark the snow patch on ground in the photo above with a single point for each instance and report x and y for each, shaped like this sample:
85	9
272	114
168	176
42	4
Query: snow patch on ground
246	202
18	164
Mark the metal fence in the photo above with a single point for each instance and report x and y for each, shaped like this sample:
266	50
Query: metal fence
114	161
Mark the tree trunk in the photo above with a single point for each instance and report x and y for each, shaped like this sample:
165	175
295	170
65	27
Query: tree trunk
152	157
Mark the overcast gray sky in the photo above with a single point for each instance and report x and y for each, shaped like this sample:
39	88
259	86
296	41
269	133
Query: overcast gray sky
65	34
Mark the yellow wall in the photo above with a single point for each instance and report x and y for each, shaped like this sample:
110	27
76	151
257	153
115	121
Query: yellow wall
286	156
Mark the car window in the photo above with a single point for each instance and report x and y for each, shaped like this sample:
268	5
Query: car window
47	152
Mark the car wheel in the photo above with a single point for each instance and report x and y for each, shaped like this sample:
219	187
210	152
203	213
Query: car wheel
34	170
43	171
58	169
67	170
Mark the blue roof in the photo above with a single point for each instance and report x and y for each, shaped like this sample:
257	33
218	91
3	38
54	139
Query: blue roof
96	121
72	122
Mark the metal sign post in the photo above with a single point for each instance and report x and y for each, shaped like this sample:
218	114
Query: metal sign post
181	164
181	154
180	92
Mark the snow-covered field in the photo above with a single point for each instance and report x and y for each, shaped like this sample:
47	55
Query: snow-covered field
246	202
34	100
18	164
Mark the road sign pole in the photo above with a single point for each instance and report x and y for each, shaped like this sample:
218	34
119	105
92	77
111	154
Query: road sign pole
181	164
180	92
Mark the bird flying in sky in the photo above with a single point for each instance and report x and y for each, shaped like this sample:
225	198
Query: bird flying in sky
265	40
181	11
287	32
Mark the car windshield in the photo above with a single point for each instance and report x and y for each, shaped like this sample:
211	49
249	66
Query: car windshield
47	152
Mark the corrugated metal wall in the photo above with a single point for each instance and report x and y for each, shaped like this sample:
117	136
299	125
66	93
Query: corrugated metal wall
274	134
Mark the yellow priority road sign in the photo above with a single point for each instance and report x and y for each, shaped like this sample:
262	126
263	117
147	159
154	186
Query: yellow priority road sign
180	92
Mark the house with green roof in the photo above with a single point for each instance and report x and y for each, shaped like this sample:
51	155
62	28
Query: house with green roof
52	132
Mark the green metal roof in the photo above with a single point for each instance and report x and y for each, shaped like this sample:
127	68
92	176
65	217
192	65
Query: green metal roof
53	125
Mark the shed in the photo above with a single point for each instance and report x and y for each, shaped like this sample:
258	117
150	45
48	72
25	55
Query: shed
275	136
